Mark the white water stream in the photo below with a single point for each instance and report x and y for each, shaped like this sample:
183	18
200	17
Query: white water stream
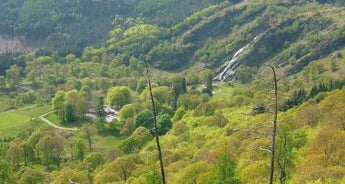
229	70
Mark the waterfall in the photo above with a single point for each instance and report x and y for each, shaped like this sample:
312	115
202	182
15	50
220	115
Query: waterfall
229	70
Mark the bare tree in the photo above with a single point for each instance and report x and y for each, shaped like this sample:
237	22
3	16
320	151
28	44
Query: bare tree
274	131
160	157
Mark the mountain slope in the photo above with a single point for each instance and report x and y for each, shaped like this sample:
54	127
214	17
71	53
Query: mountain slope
209	64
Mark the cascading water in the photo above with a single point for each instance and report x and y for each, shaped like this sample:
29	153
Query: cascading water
229	70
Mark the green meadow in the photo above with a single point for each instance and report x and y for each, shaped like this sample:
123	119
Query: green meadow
12	122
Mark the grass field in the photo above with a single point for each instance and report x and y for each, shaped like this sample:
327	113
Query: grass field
12	122
53	117
222	91
106	143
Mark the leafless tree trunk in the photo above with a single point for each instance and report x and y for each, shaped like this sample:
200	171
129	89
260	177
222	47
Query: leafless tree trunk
160	157
282	158
274	126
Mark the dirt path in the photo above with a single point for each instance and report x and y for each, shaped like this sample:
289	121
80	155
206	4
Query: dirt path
55	126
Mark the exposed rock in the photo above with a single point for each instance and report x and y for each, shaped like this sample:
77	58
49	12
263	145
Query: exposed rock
12	45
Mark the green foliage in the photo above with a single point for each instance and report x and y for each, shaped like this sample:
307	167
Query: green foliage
194	173
297	98
153	176
14	74
118	170
164	124
246	74
218	119
88	132
118	96
136	141
128	127
224	171
29	97
10	59
205	109
171	11
69	113
191	101
67	26
67	175
7	174
51	146
79	149
100	106
32	176
130	145
145	119
127	111
309	140
136	40
300	96
93	161
180	112
161	95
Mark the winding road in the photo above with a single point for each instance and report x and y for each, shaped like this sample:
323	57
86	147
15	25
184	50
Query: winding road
42	117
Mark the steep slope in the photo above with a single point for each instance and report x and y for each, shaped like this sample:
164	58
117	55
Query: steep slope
288	29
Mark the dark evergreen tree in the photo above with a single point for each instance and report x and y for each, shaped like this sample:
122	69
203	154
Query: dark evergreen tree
145	119
69	113
164	124
178	87
100	105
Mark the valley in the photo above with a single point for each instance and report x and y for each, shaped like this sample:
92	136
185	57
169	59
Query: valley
76	106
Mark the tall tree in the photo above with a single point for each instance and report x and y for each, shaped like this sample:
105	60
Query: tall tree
58	103
88	132
178	87
14	154
52	146
79	149
28	152
83	104
100	107
69	113
274	130
160	155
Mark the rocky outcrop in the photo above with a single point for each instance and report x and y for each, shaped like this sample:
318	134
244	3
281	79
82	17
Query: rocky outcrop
12	45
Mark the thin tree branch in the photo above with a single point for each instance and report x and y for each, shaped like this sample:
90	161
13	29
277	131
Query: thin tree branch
265	149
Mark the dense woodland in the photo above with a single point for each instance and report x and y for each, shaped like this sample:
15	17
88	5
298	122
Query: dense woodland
83	55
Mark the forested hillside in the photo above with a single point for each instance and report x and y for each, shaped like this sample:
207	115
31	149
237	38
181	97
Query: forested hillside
68	26
76	107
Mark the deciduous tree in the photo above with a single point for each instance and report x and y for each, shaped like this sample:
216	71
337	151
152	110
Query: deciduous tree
31	176
119	96
88	131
